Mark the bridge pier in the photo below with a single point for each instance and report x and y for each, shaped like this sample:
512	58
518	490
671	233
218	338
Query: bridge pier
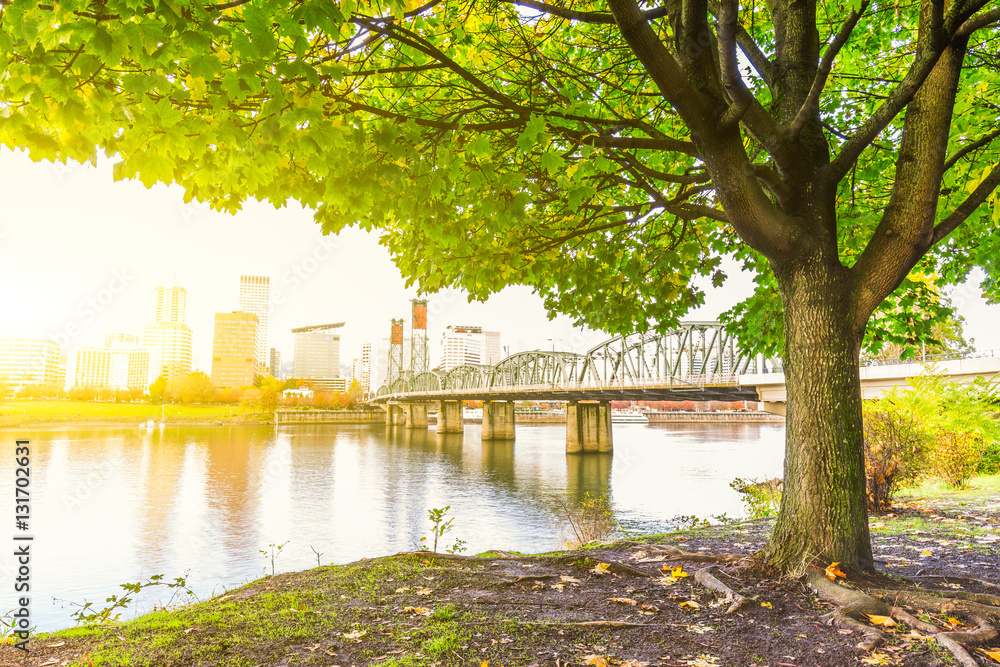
498	420
774	408
393	414
416	415
588	427
450	417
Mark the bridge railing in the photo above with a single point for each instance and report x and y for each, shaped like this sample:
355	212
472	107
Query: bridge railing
682	383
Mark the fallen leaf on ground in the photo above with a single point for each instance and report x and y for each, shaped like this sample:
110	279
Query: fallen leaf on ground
424	591
992	654
878	659
649	607
925	552
56	645
766	605
832	571
633	663
690	604
704	660
596	660
623	601
566	579
884	621
403	589
423	611
601	568
356	634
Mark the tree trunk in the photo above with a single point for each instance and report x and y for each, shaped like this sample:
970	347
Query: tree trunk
823	517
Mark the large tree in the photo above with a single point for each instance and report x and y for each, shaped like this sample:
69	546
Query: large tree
606	152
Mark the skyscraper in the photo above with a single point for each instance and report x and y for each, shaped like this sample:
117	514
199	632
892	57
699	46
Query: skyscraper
234	346
121	365
462	345
168	337
255	297
31	361
317	356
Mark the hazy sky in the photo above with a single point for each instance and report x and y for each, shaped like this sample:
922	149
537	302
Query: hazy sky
80	257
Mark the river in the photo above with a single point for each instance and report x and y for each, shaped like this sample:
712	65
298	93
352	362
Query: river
113	504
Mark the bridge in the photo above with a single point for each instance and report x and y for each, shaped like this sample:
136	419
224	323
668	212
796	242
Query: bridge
697	361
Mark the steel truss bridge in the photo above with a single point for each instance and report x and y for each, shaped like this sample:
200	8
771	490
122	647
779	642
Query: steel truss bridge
697	361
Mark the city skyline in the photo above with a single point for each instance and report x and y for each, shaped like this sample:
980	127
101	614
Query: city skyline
82	255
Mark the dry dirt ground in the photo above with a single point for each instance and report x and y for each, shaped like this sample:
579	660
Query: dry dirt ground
614	605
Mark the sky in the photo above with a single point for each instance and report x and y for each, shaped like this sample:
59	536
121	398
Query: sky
81	255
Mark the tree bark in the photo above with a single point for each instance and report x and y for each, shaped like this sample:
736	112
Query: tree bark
824	517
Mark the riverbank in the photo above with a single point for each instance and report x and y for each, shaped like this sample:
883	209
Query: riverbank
607	605
34	413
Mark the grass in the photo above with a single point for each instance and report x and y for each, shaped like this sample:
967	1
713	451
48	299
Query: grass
935	489
15	412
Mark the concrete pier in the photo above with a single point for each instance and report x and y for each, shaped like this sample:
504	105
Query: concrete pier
498	420
588	427
450	417
393	415
416	415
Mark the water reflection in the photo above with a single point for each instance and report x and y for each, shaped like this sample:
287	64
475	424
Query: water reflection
115	504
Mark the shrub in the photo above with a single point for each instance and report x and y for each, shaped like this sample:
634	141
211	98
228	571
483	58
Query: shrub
895	452
591	520
957	457
760	499
989	464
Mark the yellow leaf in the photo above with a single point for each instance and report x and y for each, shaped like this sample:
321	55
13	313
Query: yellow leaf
623	601
424	591
649	607
485	663
677	572
596	660
766	604
568	580
884	621
925	552
690	604
832	571
403	590
601	568
992	654
877	659
356	634
423	611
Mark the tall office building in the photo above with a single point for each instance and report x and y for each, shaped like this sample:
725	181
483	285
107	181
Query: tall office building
361	369
462	345
31	361
255	297
317	356
120	365
275	364
168	337
492	351
234	349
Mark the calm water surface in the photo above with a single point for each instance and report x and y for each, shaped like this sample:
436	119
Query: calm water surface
111	504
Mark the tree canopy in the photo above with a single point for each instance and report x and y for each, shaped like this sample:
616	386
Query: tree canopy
605	152
521	142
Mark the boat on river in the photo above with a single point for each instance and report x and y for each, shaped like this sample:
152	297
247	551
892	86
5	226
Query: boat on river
628	417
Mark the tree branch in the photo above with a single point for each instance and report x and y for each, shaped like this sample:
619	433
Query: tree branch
811	103
633	143
975	145
967	207
760	62
661	65
733	83
977	22
928	51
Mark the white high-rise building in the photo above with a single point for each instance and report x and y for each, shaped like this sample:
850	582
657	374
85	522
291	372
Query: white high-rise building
31	361
462	345
168	337
255	297
120	365
361	368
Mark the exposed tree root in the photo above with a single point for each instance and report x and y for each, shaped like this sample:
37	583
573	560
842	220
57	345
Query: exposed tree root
852	603
680	554
707	578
